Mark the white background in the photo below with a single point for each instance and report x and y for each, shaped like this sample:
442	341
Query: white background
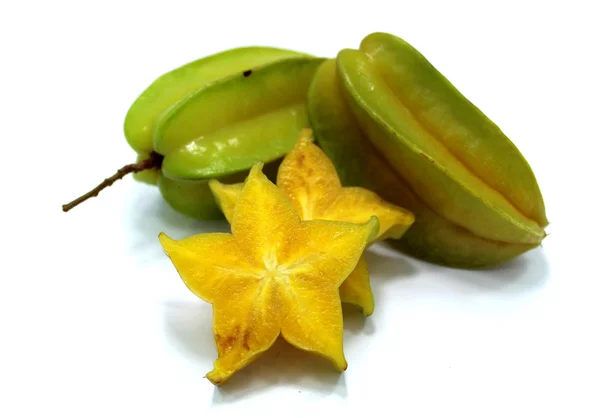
95	322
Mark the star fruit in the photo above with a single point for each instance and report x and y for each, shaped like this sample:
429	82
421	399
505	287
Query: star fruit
274	274
309	179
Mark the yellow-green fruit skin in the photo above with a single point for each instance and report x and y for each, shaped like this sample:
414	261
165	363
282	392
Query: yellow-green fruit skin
456	123
192	196
359	163
174	85
237	121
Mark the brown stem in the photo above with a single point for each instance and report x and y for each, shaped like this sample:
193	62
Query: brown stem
153	161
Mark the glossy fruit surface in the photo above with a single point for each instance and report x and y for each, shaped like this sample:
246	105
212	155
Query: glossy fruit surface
368	127
226	93
174	85
237	121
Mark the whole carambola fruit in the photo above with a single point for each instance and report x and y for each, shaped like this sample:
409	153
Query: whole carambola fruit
215	118
390	121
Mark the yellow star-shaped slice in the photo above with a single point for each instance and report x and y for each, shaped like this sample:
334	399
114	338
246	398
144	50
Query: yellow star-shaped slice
309	179
273	274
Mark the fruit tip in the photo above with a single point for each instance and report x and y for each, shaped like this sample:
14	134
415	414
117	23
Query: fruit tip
217	381
214	184
257	168
165	240
306	134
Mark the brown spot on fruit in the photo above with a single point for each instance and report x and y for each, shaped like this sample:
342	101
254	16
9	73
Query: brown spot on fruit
247	73
225	343
246	340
